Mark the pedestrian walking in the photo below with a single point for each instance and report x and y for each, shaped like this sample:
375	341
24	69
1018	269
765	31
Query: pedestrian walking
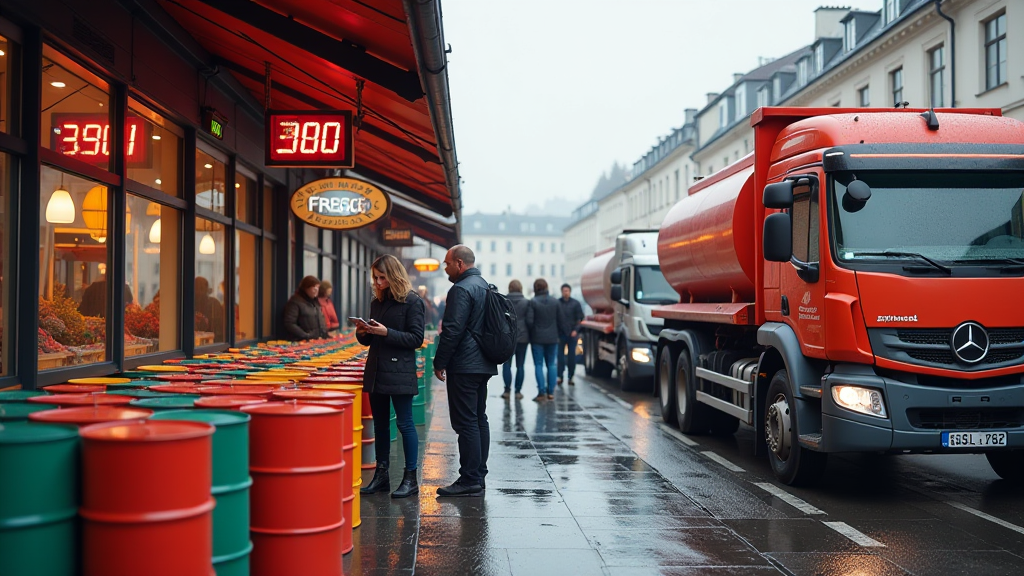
568	332
327	305
393	334
542	321
303	317
515	294
460	363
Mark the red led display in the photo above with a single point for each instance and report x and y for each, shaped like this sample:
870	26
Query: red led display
310	139
87	138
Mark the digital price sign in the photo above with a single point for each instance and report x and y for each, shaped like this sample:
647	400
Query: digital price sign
86	136
310	139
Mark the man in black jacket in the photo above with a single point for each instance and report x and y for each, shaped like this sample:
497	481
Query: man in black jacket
515	294
460	363
569	318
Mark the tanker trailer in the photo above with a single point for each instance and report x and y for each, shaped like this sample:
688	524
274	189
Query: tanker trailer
853	285
622	285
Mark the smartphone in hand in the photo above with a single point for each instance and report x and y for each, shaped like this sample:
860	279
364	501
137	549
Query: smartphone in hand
357	320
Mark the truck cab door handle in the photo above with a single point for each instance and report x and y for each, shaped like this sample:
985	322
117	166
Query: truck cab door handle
785	306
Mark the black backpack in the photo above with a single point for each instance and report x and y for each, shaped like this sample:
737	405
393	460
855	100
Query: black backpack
498	337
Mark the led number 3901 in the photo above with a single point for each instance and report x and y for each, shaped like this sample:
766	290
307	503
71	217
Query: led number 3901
309	137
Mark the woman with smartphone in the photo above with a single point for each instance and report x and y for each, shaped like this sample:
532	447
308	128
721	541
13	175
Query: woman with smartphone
393	333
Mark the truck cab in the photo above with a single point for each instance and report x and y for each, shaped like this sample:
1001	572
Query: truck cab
637	287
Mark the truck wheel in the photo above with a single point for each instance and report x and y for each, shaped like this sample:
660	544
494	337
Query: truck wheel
791	463
627	383
666	385
1009	465
691	415
600	368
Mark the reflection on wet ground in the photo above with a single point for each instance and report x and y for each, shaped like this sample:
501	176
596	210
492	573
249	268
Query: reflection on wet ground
581	486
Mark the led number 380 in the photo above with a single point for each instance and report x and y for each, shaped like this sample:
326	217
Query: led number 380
309	138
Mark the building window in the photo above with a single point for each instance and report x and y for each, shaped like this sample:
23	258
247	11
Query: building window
741	101
508	270
210	182
995	52
244	297
763	97
152	273
819	58
246	196
802	70
563	270
723	113
479	246
508	246
162	169
896	80
529	247
477	225
677	185
553	248
892	10
494	246
529	269
850	35
541	269
76	113
936	74
494	269
210	321
501	225
864	97
562	248
540	246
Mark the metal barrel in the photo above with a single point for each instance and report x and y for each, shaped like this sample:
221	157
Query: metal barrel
10	396
230	485
19	411
38	499
298	468
419	401
88	415
228	402
139	393
393	423
146	505
176	402
359	406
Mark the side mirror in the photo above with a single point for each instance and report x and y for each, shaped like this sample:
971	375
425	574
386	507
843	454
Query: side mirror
856	196
779	195
617	276
617	292
778	237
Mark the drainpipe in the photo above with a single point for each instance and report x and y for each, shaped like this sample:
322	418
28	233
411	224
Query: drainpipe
431	59
952	52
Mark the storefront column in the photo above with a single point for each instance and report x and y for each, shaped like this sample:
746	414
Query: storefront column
188	247
116	231
26	201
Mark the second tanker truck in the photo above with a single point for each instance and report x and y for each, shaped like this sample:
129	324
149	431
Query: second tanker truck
853	285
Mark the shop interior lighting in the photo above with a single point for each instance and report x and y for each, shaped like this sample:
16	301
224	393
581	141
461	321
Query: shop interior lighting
60	209
57	84
156	136
2	53
206	245
158	182
154	232
207	166
426	264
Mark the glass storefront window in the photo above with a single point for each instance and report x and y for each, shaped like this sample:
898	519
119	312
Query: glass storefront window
76	112
328	273
7	182
245	285
246	196
329	239
154	159
268	207
73	260
153	275
310	235
210	321
210	174
268	288
310	261
6	84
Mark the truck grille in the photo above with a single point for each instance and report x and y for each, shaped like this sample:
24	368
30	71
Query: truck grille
930	347
965	418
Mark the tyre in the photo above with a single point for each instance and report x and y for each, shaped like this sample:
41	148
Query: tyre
692	416
627	383
792	464
666	385
1008	465
601	369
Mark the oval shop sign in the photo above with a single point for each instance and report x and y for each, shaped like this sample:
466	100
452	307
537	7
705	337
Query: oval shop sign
340	203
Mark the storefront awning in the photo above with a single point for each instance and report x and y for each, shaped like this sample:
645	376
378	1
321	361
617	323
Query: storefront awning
374	56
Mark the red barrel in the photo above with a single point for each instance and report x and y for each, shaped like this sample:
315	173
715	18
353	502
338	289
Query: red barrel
297	464
82	400
75	388
228	402
262	391
178	388
86	415
146	500
183	377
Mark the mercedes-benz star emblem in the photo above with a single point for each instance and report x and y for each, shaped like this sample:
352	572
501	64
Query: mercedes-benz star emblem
969	342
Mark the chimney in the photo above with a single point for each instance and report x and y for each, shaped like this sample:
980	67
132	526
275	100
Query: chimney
736	76
712	96
691	116
827	21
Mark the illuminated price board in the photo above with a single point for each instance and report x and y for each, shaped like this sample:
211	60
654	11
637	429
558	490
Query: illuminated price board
310	139
87	137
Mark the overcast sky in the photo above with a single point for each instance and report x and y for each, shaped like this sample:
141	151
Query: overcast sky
548	94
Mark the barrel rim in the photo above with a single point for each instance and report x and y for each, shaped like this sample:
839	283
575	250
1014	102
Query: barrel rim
70	432
177	430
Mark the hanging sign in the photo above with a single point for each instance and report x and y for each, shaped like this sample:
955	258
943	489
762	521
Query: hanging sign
340	203
396	236
310	139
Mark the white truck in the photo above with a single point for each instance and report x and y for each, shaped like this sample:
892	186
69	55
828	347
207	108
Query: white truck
622	285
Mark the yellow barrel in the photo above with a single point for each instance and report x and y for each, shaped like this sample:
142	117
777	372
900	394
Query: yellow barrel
357	434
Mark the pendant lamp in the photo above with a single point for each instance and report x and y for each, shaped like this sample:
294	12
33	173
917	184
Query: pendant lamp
154	232
60	209
206	245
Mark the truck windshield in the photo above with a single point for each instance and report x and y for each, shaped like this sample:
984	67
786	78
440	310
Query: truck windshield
940	219
651	287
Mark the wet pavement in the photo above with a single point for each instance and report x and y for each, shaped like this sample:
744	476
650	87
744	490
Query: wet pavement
593	484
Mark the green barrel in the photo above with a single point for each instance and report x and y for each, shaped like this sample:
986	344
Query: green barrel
175	402
145	383
17	411
20	395
394	425
38	499
125	386
138	393
231	482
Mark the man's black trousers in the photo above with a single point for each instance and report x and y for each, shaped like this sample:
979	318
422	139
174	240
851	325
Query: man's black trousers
467	405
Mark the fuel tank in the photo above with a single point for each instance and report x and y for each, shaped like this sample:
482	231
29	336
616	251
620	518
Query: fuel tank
706	244
595	280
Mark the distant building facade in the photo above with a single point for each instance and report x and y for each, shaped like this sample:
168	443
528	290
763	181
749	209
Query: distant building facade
513	246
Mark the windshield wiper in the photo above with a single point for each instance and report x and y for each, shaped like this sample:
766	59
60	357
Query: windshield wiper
1004	264
935	264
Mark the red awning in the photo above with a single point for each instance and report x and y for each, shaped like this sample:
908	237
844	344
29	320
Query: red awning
337	54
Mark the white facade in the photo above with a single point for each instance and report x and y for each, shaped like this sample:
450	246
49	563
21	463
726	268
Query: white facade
513	247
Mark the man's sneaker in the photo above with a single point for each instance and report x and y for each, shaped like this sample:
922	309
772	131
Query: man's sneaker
460	489
505	395
559	381
571	382
519	396
551	396
540	398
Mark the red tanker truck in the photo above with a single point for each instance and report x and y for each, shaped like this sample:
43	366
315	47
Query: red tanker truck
856	284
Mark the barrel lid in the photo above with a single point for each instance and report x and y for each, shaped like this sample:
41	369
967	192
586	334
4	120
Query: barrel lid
26	432
74	388
21	410
235	401
161	368
332	380
321	394
215	417
288	409
347	387
176	401
234	390
178	388
141	393
103	381
148	382
146	431
250	381
90	414
236	372
182	377
81	399
20	395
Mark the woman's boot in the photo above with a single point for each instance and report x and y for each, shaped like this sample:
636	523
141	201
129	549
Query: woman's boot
381	480
408	487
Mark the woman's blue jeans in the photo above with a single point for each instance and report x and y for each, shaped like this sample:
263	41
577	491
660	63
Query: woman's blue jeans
520	359
545	354
380	404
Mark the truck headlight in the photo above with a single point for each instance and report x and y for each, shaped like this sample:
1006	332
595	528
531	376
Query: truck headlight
641	355
863	400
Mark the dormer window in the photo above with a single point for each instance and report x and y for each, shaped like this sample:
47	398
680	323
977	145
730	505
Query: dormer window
723	113
776	88
892	10
741	101
477	225
850	36
802	71
763	97
819	58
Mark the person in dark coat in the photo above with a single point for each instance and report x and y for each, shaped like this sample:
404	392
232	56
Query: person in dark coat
568	332
460	363
394	333
211	309
542	321
303	318
515	294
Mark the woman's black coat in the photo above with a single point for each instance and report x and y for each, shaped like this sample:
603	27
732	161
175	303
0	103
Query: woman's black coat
391	362
303	318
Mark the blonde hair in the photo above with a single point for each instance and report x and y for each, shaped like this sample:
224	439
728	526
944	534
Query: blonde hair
397	277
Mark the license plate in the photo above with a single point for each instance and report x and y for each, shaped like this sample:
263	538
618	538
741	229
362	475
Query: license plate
973	439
